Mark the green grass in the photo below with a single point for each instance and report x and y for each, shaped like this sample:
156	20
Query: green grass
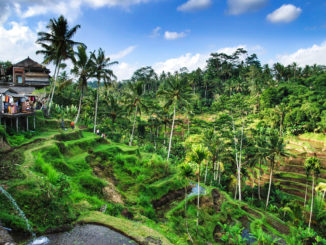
136	231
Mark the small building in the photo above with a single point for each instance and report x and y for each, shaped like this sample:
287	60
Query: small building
26	73
17	85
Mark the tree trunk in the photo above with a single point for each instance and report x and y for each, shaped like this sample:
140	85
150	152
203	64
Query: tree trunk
80	102
269	187
170	142
133	127
305	195
186	215
96	105
206	173
198	194
312	199
219	177
52	94
188	125
259	176
239	181
164	133
51	88
236	190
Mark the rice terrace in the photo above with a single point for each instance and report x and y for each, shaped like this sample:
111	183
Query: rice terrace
162	122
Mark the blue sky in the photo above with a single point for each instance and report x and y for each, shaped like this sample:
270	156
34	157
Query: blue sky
170	34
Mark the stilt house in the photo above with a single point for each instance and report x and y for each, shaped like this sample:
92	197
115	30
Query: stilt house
17	84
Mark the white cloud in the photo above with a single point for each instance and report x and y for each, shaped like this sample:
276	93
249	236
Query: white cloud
18	42
195	5
285	14
305	56
69	8
124	71
4	12
122	53
174	35
192	62
156	32
241	6
231	50
114	3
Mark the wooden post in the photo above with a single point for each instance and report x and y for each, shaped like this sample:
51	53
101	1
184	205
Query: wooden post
34	123
17	124
26	123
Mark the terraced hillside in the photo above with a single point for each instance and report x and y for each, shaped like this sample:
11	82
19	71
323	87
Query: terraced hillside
290	174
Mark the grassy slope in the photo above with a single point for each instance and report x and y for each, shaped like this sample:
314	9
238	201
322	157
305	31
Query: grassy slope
86	201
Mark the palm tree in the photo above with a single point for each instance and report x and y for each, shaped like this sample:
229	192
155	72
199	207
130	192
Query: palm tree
101	73
260	154
176	93
135	101
83	68
275	151
57	46
198	155
186	172
312	164
115	108
216	147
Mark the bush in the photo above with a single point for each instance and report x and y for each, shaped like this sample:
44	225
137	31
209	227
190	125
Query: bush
92	184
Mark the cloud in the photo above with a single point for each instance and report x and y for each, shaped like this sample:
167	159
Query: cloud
156	32
231	50
174	35
305	56
192	62
17	42
124	71
195	5
4	12
236	7
122	53
69	8
114	3
285	14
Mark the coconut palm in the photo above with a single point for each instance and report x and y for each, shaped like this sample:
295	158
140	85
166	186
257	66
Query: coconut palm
275	151
135	102
261	154
83	69
115	109
198	155
312	164
216	147
176	93
102	73
57	46
186	172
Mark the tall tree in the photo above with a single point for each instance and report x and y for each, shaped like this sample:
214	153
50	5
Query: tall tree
135	102
312	164
83	69
102	73
276	150
198	155
177	92
186	172
57	46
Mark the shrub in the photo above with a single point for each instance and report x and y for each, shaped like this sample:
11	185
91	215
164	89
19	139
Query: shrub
92	184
